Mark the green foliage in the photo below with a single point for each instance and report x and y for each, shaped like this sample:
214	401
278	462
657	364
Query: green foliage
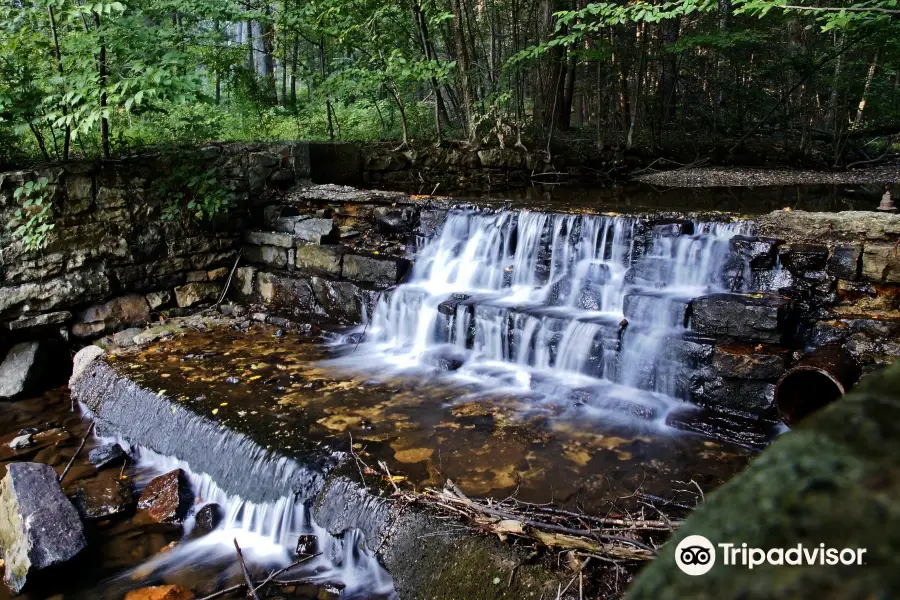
193	196
32	221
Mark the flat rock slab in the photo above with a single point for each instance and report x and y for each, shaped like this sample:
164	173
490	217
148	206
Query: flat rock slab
39	527
743	317
167	498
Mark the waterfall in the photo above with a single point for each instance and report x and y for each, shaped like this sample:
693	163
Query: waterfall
578	307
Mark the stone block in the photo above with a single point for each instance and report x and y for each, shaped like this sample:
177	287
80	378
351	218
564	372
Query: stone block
217	274
747	317
158	300
289	294
244	279
38	321
383	272
744	361
270	238
195	276
269	255
39	527
319	259
72	288
195	293
845	262
881	263
316	231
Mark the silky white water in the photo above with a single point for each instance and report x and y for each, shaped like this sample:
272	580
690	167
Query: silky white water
570	309
267	532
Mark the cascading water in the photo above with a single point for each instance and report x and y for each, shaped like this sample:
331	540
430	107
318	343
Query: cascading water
268	533
564	307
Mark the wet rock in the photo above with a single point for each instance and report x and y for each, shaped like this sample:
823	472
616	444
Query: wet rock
379	271
746	397
758	253
127	311
391	221
207	519
159	299
845	262
749	317
160	592
343	300
881	262
430	221
33	366
307	544
801	258
101	498
318	260
72	288
744	361
167	498
107	455
39	527
21	442
195	293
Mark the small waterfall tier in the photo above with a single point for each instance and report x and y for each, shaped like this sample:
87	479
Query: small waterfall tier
575	310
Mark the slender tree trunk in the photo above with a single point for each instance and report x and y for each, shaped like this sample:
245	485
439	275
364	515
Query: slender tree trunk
59	67
465	82
40	140
327	101
294	53
862	101
104	121
668	81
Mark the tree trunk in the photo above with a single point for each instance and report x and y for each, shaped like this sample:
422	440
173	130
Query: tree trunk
294	52
104	122
59	67
668	81
462	56
862	101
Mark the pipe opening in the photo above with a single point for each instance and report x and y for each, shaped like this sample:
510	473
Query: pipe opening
803	391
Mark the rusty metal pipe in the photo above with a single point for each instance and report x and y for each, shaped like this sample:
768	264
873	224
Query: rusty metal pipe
818	379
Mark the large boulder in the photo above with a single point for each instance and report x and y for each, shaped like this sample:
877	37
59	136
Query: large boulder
39	527
830	483
33	366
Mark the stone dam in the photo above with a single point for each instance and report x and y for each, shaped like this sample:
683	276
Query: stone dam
322	359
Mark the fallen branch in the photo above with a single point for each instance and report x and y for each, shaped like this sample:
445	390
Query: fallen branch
252	590
77	452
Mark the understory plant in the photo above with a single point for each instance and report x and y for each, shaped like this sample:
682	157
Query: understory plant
32	221
198	196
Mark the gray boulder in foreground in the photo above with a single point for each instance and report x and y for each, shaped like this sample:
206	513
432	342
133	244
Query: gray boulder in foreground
833	481
39	527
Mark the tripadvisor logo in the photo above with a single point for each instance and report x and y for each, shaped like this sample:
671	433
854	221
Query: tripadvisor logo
696	555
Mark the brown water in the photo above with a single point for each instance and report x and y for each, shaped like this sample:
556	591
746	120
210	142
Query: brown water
276	389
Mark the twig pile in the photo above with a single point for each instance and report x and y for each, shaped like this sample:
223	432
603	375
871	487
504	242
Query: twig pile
609	538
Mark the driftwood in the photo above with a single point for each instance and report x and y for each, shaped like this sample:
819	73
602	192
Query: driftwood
77	452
